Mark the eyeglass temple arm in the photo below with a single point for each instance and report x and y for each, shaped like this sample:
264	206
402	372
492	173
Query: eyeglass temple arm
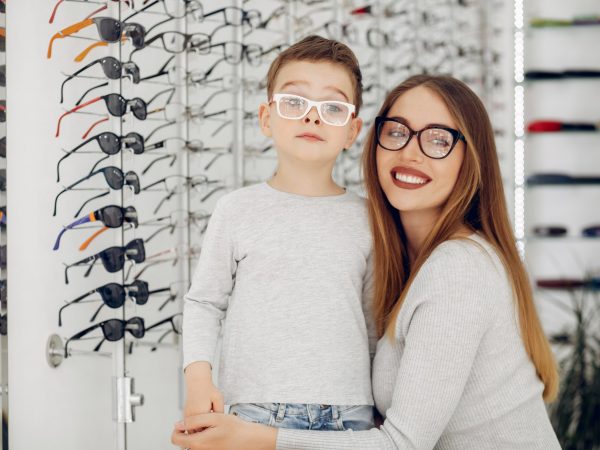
69	153
141	10
171	92
73	75
93	258
69	188
99	161
91	199
77	300
173	159
77	108
89	130
97	311
79	336
88	49
89	240
53	14
90	90
67	32
90	218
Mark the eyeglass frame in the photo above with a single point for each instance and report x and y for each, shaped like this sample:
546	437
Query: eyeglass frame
317	104
456	135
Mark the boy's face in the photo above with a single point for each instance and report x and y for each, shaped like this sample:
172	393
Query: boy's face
310	139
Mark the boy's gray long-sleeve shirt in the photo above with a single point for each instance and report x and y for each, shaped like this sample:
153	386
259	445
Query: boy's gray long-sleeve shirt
287	279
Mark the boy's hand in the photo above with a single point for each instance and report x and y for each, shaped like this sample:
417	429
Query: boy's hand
202	395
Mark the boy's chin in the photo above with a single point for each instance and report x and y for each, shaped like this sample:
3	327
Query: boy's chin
311	154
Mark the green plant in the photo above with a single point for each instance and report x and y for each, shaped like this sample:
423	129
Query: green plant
575	414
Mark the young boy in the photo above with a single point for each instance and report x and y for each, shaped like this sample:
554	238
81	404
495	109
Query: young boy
285	265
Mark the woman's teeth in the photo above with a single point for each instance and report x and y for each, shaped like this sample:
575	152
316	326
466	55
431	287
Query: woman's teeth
411	179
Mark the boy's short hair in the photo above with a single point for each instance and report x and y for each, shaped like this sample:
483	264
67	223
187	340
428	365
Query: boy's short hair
316	49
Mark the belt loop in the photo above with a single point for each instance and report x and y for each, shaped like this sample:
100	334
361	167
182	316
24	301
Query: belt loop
280	412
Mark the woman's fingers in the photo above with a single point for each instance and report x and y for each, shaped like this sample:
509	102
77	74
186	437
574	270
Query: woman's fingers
201	421
217	403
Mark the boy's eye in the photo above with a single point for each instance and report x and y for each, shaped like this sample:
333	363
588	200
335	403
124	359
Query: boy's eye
294	102
332	108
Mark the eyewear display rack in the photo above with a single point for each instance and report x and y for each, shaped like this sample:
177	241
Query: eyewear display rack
557	190
158	120
3	235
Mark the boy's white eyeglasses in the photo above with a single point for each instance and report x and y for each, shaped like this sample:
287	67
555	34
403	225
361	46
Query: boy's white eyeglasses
331	112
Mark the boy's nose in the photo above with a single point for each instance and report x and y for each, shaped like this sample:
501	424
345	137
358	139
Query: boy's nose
312	116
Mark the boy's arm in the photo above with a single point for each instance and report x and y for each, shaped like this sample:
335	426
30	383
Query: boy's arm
367	306
206	302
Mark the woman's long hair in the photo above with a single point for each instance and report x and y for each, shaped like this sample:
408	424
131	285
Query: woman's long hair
476	201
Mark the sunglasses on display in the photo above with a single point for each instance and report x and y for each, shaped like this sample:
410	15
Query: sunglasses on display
435	141
109	30
113	295
113	330
113	258
113	69
176	326
110	144
111	216
331	112
114	177
116	105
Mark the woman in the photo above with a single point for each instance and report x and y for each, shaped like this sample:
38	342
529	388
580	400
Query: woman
463	363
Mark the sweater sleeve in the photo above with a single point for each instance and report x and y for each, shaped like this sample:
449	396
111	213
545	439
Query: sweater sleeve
206	302
443	320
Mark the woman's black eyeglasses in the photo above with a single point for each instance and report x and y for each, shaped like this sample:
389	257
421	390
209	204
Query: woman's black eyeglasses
435	141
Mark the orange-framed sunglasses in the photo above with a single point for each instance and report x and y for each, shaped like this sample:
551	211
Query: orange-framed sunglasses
109	30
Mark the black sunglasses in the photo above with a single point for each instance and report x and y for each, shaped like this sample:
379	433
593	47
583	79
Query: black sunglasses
115	178
113	330
113	295
112	68
113	258
435	141
112	216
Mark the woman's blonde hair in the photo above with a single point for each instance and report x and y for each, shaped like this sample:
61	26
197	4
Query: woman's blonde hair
476	201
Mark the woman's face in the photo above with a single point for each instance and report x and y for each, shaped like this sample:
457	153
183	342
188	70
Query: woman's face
414	183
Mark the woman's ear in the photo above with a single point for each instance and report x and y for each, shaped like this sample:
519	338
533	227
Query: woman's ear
264	119
355	127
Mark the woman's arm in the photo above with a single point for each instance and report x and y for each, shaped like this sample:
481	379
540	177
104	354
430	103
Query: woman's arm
450	307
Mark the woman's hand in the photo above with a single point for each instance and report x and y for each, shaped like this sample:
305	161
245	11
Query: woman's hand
222	432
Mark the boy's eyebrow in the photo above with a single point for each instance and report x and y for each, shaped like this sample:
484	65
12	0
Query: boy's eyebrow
331	88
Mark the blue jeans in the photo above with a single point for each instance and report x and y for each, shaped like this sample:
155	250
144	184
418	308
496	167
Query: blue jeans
306	417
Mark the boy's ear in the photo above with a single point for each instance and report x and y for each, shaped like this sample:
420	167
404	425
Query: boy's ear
264	119
355	127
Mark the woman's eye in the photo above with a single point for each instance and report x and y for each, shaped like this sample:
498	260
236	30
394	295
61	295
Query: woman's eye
397	134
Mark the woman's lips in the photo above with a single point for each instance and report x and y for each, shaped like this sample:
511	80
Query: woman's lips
310	137
407	178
